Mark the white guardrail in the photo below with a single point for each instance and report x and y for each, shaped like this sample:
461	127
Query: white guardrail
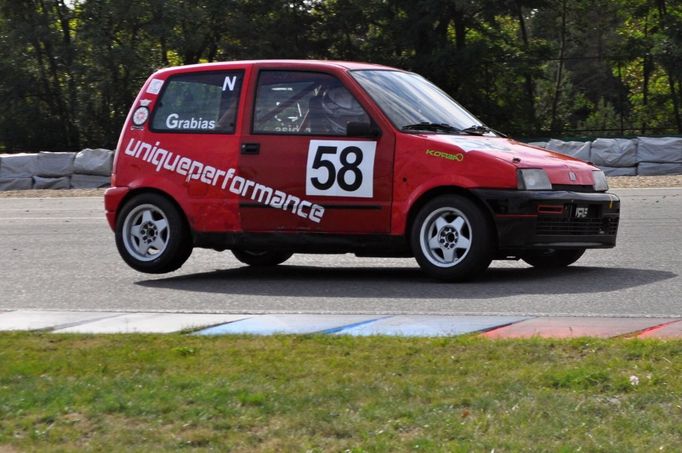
91	168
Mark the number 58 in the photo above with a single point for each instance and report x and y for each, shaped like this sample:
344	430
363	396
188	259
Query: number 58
343	168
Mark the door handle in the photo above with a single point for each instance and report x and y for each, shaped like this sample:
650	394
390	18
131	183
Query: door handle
250	148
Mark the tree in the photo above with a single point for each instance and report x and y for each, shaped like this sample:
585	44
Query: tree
40	58
69	70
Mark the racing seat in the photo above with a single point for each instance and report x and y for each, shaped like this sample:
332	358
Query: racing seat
316	116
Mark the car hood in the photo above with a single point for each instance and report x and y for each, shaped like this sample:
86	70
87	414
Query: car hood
560	168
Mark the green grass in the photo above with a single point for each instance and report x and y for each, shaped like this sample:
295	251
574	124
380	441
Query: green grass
323	393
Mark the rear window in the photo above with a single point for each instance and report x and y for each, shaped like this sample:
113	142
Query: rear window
204	102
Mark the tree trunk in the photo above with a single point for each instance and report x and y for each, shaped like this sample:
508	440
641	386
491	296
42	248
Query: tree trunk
669	70
460	28
621	106
676	102
530	91
64	14
46	47
559	73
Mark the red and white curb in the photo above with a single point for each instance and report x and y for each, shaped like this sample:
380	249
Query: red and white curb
340	324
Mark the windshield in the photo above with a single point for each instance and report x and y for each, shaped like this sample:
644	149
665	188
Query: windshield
409	99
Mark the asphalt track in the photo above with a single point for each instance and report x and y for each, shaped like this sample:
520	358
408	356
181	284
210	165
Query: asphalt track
59	254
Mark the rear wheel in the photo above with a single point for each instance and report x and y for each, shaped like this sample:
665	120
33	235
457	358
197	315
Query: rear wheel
552	258
452	239
152	235
261	257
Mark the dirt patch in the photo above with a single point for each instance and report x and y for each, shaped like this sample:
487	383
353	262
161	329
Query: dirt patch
49	193
8	449
619	182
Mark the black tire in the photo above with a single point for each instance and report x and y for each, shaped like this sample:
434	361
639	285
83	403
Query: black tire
152	235
261	258
452	239
552	258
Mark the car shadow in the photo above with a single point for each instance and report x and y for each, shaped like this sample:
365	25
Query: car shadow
406	283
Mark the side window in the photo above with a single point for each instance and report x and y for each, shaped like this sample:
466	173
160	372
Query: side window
304	103
204	102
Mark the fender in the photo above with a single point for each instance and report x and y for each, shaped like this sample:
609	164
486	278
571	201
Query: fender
401	208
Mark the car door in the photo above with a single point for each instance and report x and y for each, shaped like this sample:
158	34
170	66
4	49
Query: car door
319	161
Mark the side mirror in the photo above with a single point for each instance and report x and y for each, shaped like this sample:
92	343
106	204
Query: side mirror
356	129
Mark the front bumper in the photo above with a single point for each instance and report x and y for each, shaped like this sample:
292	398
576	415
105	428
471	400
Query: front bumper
528	220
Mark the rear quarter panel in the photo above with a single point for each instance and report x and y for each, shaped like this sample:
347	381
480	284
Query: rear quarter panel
208	207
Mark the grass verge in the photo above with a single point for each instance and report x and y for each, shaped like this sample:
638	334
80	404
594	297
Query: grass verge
324	393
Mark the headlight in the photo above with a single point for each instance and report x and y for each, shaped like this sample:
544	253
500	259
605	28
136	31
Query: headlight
533	179
600	183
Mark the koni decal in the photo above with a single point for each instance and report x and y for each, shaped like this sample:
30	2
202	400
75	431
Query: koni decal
228	179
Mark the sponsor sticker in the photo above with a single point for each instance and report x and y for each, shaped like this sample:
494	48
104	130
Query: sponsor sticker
140	116
227	179
174	121
458	157
229	83
155	86
581	212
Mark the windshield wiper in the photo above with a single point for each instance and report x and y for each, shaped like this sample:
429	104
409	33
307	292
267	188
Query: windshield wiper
426	126
481	130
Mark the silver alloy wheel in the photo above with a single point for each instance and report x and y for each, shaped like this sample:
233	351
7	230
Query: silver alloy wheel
146	232
445	237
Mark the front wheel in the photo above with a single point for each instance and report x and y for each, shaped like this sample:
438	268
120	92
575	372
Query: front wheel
261	257
552	258
452	239
152	235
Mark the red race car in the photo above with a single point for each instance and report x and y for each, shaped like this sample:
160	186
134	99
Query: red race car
271	158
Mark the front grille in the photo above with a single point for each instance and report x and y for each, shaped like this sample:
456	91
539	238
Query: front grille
561	226
573	188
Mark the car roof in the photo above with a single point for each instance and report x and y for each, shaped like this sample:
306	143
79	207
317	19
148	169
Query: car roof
277	64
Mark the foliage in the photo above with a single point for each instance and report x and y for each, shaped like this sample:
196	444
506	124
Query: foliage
69	70
602	118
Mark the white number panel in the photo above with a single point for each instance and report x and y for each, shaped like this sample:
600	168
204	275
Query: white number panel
340	168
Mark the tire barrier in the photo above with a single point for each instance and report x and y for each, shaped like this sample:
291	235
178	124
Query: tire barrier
62	182
87	169
89	181
18	165
643	156
579	150
96	162
54	165
16	183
